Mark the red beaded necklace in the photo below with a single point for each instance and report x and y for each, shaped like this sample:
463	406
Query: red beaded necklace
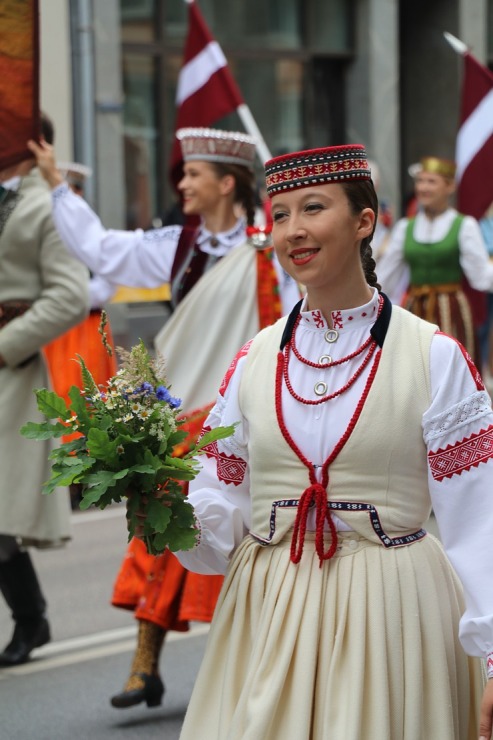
370	343
324	365
344	388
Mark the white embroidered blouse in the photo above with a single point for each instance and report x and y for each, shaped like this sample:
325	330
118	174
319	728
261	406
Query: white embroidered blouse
140	259
459	411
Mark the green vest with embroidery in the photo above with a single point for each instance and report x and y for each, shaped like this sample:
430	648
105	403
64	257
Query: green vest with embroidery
437	262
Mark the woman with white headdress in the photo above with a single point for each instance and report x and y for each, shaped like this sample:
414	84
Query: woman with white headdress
225	284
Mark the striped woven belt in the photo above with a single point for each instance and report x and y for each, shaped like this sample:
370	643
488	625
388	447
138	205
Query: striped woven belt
421	291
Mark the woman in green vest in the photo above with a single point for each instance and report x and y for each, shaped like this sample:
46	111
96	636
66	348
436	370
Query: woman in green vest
438	248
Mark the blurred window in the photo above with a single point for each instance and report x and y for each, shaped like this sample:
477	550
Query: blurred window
287	56
140	139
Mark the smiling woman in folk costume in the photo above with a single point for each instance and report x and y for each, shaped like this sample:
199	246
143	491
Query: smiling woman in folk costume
339	615
437	249
225	286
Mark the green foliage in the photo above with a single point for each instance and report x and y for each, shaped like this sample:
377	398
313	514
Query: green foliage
89	384
51	404
129	430
31	430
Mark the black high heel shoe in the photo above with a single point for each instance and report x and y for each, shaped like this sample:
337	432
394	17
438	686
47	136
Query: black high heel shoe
152	693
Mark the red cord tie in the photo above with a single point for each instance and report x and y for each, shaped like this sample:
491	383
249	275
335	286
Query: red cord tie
317	494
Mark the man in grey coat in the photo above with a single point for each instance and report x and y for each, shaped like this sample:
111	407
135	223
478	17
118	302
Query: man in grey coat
43	292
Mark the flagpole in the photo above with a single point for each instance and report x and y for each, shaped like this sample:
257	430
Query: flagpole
250	124
456	44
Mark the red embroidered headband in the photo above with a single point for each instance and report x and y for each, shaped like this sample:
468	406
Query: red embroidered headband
314	166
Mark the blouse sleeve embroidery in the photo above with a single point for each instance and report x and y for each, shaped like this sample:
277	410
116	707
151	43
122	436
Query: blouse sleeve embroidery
230	468
465	454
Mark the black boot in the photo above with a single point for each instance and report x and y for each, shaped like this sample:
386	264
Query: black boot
151	691
144	682
21	590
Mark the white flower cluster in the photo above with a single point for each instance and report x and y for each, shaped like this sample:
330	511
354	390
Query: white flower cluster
144	408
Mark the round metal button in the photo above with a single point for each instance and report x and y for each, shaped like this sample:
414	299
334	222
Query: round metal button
213	241
325	360
331	335
320	388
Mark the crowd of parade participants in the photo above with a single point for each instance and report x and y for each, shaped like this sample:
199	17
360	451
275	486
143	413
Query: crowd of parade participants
351	352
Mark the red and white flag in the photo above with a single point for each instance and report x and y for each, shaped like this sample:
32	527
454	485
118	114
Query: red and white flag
474	146
206	89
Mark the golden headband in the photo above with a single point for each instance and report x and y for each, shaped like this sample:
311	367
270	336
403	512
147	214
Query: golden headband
438	166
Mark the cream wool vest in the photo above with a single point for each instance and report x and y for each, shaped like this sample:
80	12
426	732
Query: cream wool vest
378	482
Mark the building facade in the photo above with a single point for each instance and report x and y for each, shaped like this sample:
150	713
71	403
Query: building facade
313	72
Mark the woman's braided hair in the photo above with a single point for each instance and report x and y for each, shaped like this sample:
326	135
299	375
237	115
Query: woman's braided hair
361	194
244	186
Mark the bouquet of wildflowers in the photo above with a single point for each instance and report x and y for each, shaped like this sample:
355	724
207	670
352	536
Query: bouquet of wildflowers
128	431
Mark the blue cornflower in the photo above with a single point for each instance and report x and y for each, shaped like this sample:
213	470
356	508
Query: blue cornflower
146	387
162	393
174	402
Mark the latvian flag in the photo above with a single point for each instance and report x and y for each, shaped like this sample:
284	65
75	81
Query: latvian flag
206	89
474	147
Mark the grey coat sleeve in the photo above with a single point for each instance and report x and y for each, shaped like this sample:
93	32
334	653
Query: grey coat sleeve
61	302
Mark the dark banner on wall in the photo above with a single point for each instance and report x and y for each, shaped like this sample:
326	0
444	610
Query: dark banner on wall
19	79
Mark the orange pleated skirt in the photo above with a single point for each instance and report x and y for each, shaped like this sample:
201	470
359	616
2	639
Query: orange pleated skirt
160	590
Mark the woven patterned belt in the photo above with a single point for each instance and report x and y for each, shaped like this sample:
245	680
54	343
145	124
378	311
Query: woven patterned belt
10	310
419	291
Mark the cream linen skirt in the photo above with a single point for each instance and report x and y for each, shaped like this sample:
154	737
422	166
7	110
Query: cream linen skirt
364	648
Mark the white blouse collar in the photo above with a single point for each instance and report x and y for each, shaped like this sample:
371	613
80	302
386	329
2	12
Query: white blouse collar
224	238
429	230
343	320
